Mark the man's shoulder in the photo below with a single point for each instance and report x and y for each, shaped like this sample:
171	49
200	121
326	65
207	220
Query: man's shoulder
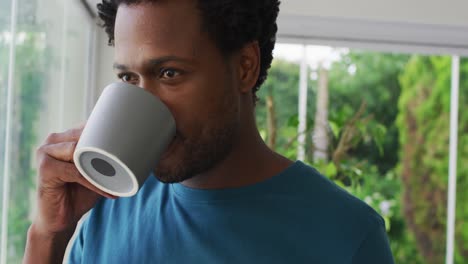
314	210
318	185
324	199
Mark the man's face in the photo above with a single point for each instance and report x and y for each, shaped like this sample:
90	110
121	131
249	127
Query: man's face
161	47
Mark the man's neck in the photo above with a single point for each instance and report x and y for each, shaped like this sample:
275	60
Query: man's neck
249	162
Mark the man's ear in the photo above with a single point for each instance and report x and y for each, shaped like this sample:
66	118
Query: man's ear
249	66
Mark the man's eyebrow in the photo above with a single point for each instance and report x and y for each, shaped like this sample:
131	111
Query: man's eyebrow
153	62
121	67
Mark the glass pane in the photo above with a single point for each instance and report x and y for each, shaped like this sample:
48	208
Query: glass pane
5	38
386	137
51	52
77	43
283	80
461	235
33	59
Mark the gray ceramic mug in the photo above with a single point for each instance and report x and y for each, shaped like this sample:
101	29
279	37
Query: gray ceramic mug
126	134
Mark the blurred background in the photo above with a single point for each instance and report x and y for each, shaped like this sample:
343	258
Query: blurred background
371	93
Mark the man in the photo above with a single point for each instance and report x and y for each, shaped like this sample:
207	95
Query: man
219	194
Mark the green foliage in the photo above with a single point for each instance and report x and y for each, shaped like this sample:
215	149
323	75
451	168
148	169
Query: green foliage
283	84
370	77
462	170
29	80
424	128
368	169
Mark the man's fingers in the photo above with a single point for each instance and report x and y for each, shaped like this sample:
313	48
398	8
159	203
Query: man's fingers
73	175
61	151
56	173
72	134
56	161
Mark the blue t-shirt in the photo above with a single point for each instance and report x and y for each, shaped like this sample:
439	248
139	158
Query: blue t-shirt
297	216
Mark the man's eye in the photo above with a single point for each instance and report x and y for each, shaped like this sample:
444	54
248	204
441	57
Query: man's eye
125	77
168	73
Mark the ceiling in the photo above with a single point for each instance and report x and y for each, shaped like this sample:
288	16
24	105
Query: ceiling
447	12
431	26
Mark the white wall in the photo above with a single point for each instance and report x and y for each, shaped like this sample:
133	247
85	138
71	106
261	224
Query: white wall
422	26
414	26
439	12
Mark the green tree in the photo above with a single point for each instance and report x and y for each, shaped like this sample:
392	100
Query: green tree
424	136
370	77
373	79
364	93
281	87
29	80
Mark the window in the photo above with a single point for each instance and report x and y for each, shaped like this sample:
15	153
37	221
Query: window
52	42
4	54
377	124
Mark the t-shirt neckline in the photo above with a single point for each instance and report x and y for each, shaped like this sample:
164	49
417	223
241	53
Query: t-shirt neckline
244	192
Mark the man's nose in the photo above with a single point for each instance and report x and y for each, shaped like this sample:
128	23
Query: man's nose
150	86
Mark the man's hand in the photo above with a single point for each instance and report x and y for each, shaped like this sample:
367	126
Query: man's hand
63	197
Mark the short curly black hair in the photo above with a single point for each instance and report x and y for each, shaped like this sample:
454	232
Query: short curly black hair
231	23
